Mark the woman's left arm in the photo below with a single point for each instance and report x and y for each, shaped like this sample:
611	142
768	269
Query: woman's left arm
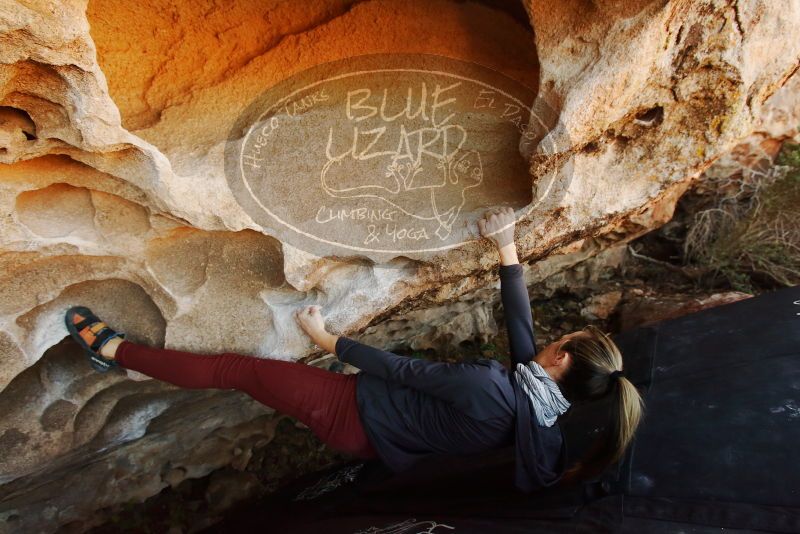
455	383
450	382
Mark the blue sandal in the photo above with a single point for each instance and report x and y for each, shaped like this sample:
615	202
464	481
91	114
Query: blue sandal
102	334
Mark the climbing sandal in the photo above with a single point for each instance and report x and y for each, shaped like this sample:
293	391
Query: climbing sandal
95	330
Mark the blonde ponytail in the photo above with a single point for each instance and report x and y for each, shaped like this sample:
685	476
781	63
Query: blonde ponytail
594	358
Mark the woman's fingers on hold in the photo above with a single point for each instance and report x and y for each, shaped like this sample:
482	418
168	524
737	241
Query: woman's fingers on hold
493	218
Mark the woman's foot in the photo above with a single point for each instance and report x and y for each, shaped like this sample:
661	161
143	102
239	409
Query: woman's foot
109	349
98	340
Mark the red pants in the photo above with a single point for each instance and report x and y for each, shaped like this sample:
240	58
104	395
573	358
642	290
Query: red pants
323	400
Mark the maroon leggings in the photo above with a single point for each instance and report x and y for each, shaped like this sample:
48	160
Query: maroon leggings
323	400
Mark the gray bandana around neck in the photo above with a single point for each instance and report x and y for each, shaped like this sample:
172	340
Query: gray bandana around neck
542	391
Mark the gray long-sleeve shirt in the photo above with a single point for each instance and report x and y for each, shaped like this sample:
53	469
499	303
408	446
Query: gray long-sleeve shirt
413	408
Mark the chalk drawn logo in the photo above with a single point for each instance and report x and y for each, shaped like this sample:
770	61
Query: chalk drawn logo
385	155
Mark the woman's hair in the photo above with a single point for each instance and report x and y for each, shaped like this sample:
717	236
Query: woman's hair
594	356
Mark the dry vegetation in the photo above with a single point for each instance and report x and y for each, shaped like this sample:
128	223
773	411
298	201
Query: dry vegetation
750	235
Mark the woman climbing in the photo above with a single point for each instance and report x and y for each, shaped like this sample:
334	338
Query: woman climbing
401	409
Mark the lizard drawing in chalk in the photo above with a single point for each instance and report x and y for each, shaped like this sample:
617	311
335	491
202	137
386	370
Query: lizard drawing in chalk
419	175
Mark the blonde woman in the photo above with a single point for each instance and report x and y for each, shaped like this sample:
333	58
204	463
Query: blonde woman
401	409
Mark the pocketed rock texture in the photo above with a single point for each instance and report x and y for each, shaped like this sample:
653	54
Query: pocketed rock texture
113	122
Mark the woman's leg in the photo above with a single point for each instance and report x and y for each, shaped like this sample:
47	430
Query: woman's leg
323	400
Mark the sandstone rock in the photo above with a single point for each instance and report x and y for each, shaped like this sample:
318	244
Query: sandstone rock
227	488
113	124
601	306
471	317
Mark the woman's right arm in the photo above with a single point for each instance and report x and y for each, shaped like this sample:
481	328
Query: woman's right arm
519	319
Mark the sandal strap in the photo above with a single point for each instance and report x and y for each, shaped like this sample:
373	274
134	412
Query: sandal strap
102	337
88	320
94	328
120	335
